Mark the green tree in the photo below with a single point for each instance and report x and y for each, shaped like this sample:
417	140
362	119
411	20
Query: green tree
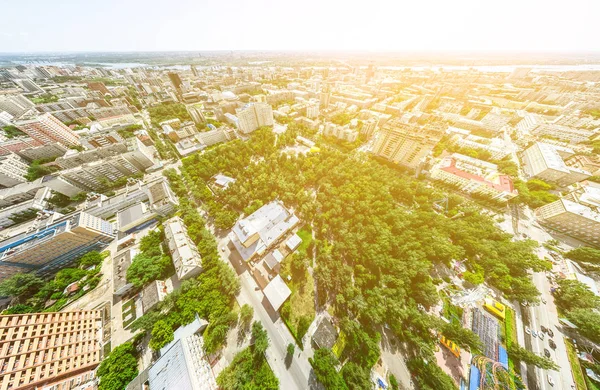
260	338
119	368
521	354
12	132
290	349
24	285
572	294
162	334
462	336
584	254
588	323
90	259
356	377
325	364
246	314
144	269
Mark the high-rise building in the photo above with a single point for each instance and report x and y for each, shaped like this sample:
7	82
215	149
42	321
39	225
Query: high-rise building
175	80
405	144
47	129
324	99
254	115
15	105
50	248
12	170
572	218
312	109
50	350
195	111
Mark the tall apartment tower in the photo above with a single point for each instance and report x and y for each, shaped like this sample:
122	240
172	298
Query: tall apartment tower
47	129
52	247
195	111
254	115
405	144
176	81
50	350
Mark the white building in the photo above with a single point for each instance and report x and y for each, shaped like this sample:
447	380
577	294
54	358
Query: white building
562	132
341	132
543	161
254	235
12	170
312	109
254	115
186	259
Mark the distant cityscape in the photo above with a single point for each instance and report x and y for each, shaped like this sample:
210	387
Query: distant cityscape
263	220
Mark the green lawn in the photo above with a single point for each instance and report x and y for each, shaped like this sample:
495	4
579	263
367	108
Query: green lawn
306	235
575	366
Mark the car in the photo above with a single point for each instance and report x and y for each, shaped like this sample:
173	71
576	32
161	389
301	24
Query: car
541	335
544	301
534	333
525	235
550	332
552	344
546	353
550	380
256	288
527	330
222	249
544	329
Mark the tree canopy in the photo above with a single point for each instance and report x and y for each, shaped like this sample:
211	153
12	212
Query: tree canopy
119	368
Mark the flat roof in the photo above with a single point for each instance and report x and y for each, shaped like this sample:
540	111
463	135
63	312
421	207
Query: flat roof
277	292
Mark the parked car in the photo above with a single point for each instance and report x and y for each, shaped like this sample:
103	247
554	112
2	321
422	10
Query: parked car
527	330
541	335
550	380
550	332
544	301
534	333
552	344
544	329
546	353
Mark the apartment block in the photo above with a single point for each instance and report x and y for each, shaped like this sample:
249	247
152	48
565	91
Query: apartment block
543	161
47	129
572	218
50	248
254	115
341	132
474	176
185	255
12	170
15	105
10	215
564	133
50	350
406	145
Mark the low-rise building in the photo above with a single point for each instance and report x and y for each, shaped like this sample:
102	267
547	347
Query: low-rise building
121	263
27	209
562	132
341	132
183	250
254	235
277	292
474	176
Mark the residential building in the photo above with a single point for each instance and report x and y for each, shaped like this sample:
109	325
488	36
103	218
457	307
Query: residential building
254	235
182	364
121	263
589	163
572	218
154	293
312	109
528	123
494	121
474	176
196	112
47	129
43	152
254	115
50	248
12	170
565	133
216	136
341	132
50	350
12	214
543	161
496	147
277	292
368	127
406	145
185	255
15	105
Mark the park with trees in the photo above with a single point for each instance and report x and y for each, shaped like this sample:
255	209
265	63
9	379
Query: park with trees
377	236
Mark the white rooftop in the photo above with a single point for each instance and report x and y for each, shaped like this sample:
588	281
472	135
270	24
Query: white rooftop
277	292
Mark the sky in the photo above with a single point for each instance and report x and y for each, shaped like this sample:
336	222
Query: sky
371	25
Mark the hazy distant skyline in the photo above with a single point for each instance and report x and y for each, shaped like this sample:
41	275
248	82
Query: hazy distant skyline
375	25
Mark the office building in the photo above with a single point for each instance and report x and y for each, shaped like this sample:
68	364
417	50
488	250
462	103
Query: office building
12	170
544	161
254	115
47	129
50	350
474	176
53	247
254	235
15	105
406	145
185	255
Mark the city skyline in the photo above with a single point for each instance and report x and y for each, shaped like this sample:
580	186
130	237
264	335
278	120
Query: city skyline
463	25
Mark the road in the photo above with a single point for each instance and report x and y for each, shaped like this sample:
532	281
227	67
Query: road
295	373
546	314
